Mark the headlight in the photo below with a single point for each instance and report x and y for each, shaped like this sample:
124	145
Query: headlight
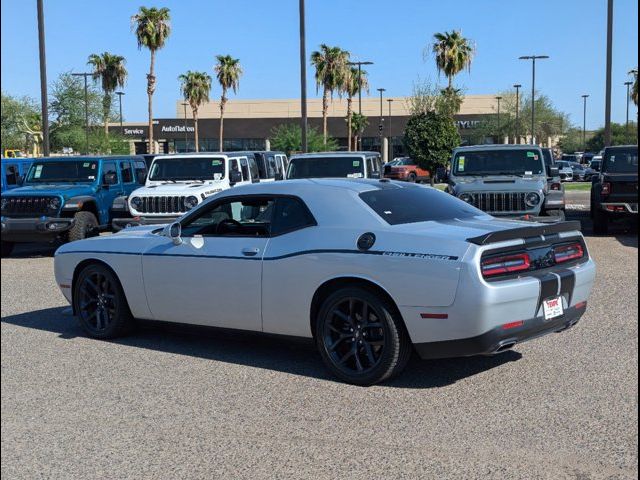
136	203
190	202
466	197
54	204
532	199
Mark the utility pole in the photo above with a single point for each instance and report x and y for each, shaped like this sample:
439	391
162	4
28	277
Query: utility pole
626	123
120	94
607	105
359	65
390	101
533	59
186	142
584	123
43	81
517	87
86	108
381	124
303	79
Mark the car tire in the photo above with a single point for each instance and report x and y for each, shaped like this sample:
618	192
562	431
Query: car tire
600	221
100	304
412	178
561	214
7	248
357	347
85	225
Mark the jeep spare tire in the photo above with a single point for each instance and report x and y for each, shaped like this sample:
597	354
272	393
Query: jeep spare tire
85	225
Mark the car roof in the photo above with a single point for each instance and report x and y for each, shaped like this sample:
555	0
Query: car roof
95	158
496	146
201	155
334	154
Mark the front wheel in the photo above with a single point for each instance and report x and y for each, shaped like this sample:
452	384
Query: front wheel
7	248
85	225
361	337
413	178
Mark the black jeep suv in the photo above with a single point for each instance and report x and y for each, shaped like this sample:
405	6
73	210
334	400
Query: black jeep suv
614	192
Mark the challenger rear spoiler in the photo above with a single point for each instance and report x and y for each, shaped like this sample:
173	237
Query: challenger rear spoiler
525	233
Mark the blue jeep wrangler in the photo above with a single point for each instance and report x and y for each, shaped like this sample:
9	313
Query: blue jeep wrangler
68	198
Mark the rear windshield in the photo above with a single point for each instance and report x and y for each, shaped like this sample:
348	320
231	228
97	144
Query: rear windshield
416	204
326	167
621	160
168	169
499	162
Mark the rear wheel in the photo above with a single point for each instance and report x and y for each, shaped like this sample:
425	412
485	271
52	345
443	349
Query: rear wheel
7	248
85	225
600	221
412	177
100	303
361	337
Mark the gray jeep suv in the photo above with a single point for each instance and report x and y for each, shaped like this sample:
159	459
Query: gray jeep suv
506	180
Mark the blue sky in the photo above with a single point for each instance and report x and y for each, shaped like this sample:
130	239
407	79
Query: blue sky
264	35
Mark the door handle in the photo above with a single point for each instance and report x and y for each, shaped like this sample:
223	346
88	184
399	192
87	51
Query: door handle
250	252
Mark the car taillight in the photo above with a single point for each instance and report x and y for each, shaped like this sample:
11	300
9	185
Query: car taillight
565	253
606	188
556	186
505	264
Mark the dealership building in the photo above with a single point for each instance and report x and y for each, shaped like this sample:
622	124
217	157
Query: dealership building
249	124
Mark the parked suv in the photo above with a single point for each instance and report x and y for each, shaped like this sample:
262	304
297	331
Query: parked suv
505	180
335	165
555	200
13	171
614	192
271	165
67	198
406	169
178	183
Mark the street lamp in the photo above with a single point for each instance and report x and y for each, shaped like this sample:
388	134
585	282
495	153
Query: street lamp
43	81
584	123
120	94
390	100
607	97
380	127
184	106
533	59
86	108
626	123
498	98
517	86
359	64
303	79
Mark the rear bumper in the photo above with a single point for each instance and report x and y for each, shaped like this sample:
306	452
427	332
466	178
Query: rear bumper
34	229
499	339
121	223
620	208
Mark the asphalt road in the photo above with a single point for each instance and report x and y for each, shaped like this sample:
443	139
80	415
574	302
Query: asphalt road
166	403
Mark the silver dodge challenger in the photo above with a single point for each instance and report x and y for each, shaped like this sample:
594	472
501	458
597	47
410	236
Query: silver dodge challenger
370	269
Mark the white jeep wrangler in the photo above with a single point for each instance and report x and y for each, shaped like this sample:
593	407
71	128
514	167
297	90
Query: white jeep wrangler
178	183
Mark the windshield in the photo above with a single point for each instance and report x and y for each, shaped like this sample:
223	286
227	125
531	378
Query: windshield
405	162
621	160
62	172
181	169
326	167
499	162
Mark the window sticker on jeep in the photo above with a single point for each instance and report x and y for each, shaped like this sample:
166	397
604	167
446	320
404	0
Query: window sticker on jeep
461	164
91	177
216	163
38	171
85	164
356	163
612	159
217	176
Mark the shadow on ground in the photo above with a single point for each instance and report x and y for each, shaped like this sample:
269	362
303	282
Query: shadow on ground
298	357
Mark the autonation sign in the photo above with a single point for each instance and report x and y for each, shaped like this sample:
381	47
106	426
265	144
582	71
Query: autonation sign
176	129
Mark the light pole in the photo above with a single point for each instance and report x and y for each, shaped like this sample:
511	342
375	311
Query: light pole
584	123
86	108
43	81
303	79
517	87
380	125
359	64
533	59
184	106
390	100
498	98
120	94
607	104
626	123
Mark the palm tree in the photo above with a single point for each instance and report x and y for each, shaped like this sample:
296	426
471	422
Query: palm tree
195	90
112	73
453	53
356	81
228	72
634	88
152	28
331	72
358	122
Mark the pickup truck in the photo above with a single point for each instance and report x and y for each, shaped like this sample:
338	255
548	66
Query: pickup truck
68	198
614	192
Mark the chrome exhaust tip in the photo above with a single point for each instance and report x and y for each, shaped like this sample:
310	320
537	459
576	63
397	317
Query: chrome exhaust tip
504	346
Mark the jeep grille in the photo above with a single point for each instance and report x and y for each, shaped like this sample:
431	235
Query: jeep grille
501	202
170	204
27	206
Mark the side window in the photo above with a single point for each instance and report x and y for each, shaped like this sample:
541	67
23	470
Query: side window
141	171
126	172
233	165
272	167
290	214
253	168
247	217
12	175
109	173
244	167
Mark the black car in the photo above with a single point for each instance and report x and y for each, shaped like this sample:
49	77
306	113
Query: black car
615	190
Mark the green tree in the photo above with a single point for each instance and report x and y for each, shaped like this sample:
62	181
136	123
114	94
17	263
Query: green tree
453	53
358	123
228	72
152	28
195	88
331	73
571	141
430	138
110	70
427	97
619	136
17	114
634	87
355	82
287	138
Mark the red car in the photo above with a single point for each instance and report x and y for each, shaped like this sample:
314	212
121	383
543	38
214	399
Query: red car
407	170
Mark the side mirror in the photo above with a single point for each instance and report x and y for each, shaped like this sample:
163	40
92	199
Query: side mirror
174	232
109	179
554	172
235	176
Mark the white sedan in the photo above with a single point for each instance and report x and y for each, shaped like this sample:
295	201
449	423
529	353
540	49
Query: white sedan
371	269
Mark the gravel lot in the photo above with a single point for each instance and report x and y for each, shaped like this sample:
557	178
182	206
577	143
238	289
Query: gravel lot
167	403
